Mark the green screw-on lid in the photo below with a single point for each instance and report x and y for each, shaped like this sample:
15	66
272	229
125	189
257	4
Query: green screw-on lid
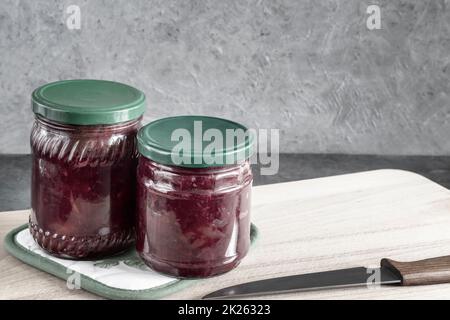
87	102
195	141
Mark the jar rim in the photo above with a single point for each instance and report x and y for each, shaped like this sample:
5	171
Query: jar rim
83	129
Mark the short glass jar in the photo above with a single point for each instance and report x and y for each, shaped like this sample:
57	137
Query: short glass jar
84	160
193	216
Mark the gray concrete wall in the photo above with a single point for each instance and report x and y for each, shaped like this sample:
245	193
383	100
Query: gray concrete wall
310	68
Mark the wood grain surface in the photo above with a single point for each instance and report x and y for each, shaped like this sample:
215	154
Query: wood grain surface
305	226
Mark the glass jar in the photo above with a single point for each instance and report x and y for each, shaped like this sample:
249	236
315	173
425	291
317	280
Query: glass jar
84	160
193	218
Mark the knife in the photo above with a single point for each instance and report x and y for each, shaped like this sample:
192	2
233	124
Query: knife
390	272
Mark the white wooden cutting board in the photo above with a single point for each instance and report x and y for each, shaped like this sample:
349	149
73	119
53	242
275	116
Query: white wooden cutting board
305	226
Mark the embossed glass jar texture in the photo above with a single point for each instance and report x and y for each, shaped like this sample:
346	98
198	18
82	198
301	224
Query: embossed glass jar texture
83	173
193	221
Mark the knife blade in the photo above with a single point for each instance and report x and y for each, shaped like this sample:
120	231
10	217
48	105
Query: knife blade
307	282
422	272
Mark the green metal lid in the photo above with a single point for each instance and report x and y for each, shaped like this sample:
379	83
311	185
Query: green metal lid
195	141
87	102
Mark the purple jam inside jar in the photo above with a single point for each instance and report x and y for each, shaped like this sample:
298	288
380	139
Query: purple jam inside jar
192	222
83	186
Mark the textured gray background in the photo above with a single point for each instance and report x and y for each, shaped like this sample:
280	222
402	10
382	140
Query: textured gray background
309	68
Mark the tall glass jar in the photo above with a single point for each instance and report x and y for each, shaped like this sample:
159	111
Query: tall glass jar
84	159
193	216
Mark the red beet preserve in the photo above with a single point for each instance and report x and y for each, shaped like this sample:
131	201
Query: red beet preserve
84	161
193	217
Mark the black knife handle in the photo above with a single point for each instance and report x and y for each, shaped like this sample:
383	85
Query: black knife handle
422	272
